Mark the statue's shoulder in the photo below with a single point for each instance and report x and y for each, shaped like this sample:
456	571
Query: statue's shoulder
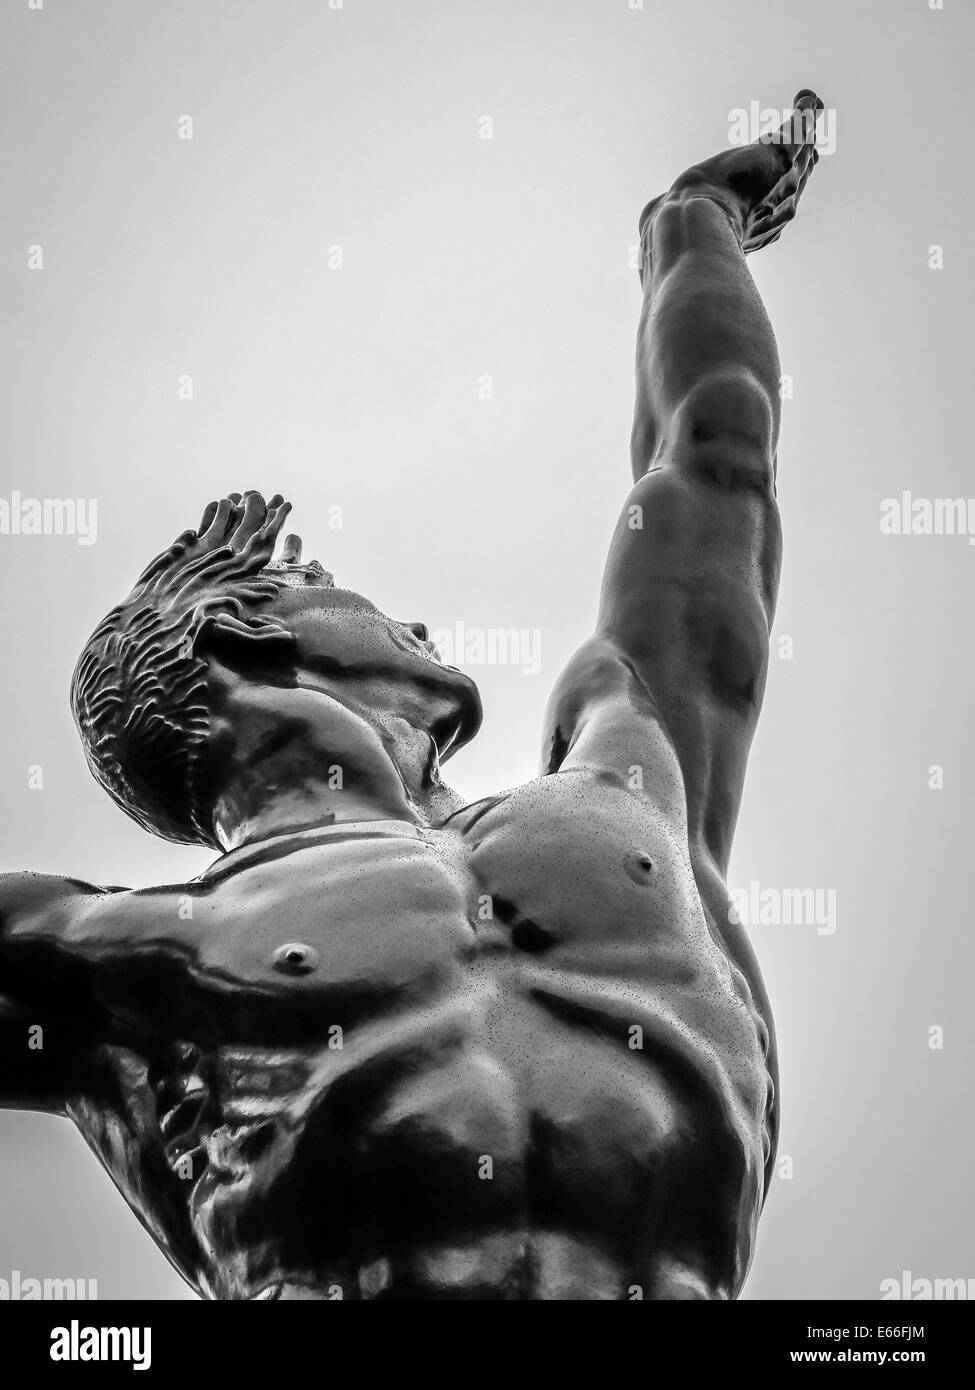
555	805
45	903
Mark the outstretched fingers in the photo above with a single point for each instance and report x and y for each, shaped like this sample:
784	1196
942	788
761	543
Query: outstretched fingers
767	221
799	131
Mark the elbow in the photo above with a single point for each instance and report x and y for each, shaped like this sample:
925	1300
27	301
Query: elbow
725	432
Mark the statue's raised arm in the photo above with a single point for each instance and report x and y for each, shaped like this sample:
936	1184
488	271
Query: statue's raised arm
690	584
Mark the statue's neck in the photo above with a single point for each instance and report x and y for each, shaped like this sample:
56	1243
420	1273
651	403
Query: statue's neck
284	793
276	846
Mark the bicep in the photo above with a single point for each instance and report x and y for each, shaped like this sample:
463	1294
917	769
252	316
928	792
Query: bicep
688	597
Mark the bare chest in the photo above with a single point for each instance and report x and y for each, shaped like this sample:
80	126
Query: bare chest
566	871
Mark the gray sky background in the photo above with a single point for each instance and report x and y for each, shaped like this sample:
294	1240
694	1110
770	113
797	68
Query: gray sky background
359	388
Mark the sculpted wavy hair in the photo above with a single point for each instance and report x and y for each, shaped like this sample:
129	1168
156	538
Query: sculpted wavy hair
139	689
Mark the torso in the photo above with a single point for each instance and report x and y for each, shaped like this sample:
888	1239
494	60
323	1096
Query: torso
506	1057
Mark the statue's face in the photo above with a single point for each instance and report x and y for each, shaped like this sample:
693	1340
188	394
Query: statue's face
347	647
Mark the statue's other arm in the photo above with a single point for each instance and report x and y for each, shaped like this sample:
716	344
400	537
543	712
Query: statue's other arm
46	1008
92	965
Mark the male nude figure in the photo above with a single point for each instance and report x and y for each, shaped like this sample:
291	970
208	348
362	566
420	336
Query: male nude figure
391	1045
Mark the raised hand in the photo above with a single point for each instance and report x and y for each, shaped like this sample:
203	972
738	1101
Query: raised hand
760	184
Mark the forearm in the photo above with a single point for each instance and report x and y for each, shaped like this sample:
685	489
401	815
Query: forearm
704	336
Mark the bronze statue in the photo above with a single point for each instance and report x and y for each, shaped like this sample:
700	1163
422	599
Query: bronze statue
391	1045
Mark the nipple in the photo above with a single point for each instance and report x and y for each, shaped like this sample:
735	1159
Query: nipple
294	958
639	867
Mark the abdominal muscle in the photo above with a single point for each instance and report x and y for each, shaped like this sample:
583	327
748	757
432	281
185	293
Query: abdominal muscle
504	1150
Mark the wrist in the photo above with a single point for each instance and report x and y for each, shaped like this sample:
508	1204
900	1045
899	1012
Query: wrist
689	190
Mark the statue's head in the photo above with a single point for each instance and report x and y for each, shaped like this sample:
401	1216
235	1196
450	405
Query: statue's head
221	654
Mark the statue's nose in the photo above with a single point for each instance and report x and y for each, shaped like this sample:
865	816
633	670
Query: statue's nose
419	630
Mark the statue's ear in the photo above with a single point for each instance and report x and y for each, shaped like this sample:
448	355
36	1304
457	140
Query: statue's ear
251	638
